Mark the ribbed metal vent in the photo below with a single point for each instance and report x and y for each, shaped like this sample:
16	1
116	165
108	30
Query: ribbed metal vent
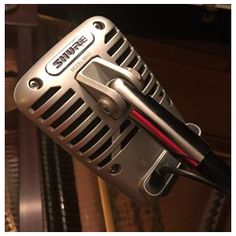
147	80
141	69
124	125
77	125
77	122
116	46
105	153
128	138
70	111
86	131
123	56
133	62
102	149
110	35
105	161
100	135
60	102
153	89
45	97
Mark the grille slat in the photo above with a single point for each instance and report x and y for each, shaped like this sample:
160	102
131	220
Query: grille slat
115	47
60	112
121	50
128	138
41	110
69	112
86	131
95	139
124	55
133	62
71	119
147	80
77	122
115	144
45	97
105	161
138	65
124	125
128	59
95	142
88	137
80	128
145	73
110	35
149	84
153	89
156	93
101	149
141	69
160	94
58	104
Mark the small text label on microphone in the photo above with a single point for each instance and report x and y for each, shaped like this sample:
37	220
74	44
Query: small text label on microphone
69	54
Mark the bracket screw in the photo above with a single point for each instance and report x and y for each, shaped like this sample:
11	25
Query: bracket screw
35	83
99	25
105	105
114	169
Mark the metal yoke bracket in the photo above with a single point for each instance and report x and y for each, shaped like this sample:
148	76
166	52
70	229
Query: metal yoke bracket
95	78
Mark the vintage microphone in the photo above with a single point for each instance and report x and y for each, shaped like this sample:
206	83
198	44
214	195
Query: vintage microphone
94	96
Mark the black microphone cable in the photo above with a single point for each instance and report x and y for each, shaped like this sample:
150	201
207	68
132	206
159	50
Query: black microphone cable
194	176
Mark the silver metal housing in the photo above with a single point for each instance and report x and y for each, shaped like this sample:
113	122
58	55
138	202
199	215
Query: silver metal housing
50	95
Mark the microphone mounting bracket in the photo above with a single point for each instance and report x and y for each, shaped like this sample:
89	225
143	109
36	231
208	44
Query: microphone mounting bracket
96	76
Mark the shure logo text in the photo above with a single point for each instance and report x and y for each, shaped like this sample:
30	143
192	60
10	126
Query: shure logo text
72	51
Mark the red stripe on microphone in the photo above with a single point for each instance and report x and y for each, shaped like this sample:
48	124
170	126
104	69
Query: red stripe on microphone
161	136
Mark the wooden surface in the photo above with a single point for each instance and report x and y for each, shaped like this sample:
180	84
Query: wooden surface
23	15
183	208
10	82
91	214
106	205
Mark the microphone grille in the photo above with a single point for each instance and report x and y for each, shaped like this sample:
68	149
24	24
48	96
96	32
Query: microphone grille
76	123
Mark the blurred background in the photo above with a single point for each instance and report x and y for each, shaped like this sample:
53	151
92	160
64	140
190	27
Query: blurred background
188	47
